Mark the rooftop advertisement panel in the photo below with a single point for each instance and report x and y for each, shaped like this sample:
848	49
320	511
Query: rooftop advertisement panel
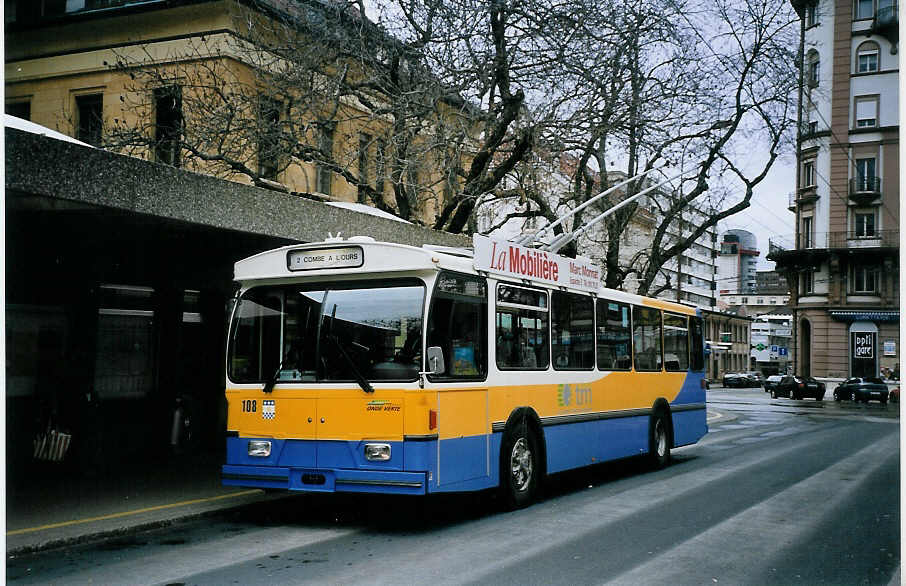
505	258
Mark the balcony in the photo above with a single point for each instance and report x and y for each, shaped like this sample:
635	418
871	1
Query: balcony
886	23
864	190
823	242
802	196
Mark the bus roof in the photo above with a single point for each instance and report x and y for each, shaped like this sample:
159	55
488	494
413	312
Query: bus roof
360	255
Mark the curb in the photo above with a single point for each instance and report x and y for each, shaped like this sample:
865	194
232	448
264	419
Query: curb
35	542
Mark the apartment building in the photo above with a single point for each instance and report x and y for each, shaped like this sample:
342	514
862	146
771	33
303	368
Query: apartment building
193	84
843	260
737	262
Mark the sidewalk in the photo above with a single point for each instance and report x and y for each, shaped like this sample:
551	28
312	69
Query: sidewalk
56	507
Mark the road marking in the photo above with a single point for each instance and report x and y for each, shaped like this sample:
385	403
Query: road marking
779	520
715	415
133	512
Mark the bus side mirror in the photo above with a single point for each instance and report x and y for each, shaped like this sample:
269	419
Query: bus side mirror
435	363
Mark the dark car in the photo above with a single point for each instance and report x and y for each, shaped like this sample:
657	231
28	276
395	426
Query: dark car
895	395
797	387
862	389
770	383
756	379
734	379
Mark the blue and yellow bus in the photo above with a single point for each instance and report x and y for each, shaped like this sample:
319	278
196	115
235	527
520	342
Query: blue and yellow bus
363	366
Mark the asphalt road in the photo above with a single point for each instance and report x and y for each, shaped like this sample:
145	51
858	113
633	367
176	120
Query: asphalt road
780	492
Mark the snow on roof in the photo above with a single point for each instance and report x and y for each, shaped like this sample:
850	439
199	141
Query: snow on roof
28	126
362	208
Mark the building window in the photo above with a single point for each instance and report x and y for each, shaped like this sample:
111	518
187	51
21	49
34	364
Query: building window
808	282
864	9
867	58
325	144
268	137
89	123
866	174
813	68
866	109
21	109
79	5
805	237
380	164
364	171
811	14
168	125
864	224
865	279
808	174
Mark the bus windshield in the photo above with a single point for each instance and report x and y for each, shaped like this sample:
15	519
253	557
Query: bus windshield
315	333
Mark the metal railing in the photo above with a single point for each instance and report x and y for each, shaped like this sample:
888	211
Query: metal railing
840	239
886	16
858	185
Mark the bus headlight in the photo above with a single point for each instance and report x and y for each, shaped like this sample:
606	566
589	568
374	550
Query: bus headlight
377	452
259	448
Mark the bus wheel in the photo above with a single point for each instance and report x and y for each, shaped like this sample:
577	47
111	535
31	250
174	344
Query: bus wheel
658	442
519	468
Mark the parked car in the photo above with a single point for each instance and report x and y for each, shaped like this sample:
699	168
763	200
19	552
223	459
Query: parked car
756	379
895	395
862	389
736	379
770	383
797	387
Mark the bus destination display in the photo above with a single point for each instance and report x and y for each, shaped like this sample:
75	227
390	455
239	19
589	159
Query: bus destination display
347	257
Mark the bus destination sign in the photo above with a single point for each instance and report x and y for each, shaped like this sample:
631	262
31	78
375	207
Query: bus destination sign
505	258
347	257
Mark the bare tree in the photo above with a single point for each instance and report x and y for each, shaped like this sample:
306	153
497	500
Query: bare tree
296	86
693	85
428	109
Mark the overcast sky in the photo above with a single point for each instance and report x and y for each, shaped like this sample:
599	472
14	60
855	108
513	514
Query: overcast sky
768	216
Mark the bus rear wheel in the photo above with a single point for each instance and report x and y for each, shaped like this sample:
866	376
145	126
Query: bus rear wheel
519	466
658	441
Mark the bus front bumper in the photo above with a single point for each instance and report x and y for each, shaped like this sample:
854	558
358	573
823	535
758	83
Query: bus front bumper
325	479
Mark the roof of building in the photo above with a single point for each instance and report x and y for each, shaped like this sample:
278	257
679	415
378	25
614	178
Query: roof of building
29	126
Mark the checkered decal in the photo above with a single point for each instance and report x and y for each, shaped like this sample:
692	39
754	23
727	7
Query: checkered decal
268	409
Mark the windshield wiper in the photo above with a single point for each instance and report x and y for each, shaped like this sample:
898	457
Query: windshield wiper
363	382
272	381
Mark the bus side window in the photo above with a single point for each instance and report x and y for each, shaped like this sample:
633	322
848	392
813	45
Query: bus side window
676	342
522	335
697	343
458	324
646	334
572	331
614	335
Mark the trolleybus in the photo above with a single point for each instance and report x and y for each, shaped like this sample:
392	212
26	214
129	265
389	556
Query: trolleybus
362	366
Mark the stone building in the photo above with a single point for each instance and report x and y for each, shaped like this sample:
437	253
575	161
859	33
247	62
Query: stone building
843	260
197	84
